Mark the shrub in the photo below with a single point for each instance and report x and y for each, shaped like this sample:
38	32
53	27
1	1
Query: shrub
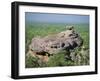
31	61
59	60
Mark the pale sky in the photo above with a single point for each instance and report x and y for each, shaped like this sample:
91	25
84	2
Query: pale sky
56	18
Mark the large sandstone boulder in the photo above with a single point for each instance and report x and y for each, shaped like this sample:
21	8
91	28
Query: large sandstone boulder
65	40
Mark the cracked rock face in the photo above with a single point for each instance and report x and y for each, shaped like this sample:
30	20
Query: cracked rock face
65	40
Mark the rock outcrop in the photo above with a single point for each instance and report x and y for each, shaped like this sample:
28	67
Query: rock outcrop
52	44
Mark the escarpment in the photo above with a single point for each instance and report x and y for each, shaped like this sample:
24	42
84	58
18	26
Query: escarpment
44	47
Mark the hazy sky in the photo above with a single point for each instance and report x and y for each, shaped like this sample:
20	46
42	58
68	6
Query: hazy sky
56	18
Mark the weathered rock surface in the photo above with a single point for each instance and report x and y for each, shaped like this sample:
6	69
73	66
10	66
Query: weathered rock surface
65	40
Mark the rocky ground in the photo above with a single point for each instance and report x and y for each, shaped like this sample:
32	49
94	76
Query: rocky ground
45	47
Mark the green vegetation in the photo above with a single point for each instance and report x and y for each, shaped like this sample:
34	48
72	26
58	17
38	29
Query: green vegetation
31	61
59	60
34	62
80	55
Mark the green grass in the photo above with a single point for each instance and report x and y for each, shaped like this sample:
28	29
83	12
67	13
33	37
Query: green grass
39	29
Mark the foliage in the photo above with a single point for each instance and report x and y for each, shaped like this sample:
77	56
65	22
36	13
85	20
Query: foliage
31	62
59	60
80	56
